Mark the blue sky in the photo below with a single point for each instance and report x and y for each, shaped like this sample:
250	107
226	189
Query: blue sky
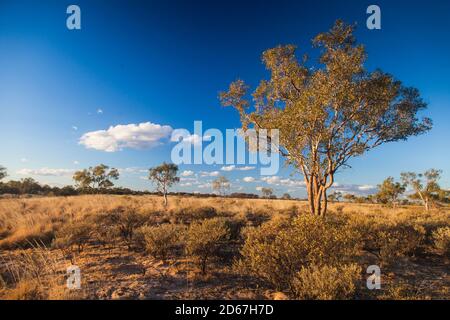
164	62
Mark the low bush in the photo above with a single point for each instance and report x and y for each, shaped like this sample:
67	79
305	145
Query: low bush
277	250
127	221
326	282
205	239
161	240
441	239
389	242
75	234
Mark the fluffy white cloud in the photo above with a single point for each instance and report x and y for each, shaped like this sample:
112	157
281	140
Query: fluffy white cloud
187	173
271	180
134	136
366	187
276	180
187	184
193	139
46	172
361	190
210	174
205	186
228	168
249	179
233	167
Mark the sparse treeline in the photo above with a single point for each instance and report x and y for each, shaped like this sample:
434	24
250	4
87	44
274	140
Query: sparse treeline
412	188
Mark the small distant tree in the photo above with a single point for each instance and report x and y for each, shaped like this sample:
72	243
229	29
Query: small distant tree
389	191
98	177
164	176
267	192
425	185
286	196
336	196
349	197
221	185
3	173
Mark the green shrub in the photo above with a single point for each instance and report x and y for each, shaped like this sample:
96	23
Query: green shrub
187	215
205	239
76	234
161	240
126	221
326	282
276	251
389	242
441	239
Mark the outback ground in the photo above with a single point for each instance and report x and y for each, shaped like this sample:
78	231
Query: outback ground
132	247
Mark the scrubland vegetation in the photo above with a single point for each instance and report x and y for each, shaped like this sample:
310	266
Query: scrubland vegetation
136	247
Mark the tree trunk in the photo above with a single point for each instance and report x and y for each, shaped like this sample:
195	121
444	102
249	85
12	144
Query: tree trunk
325	203
165	199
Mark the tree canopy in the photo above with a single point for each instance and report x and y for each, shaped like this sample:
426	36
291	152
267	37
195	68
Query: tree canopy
98	177
3	173
327	112
164	176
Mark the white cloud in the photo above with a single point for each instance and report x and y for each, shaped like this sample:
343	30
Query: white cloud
133	136
46	172
24	160
271	180
99	111
204	186
187	173
356	189
249	179
187	184
75	128
258	188
233	167
194	139
210	174
366	187
246	168
76	162
228	168
276	180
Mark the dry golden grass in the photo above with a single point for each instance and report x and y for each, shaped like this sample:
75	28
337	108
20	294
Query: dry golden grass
27	222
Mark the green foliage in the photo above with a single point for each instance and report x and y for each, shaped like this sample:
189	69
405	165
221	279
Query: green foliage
389	191
286	196
205	239
267	192
390	241
76	234
277	250
425	185
326	282
441	239
164	176
126	220
330	114
161	240
3	173
98	177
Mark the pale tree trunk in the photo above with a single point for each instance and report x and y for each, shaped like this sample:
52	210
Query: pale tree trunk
325	203
165	199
